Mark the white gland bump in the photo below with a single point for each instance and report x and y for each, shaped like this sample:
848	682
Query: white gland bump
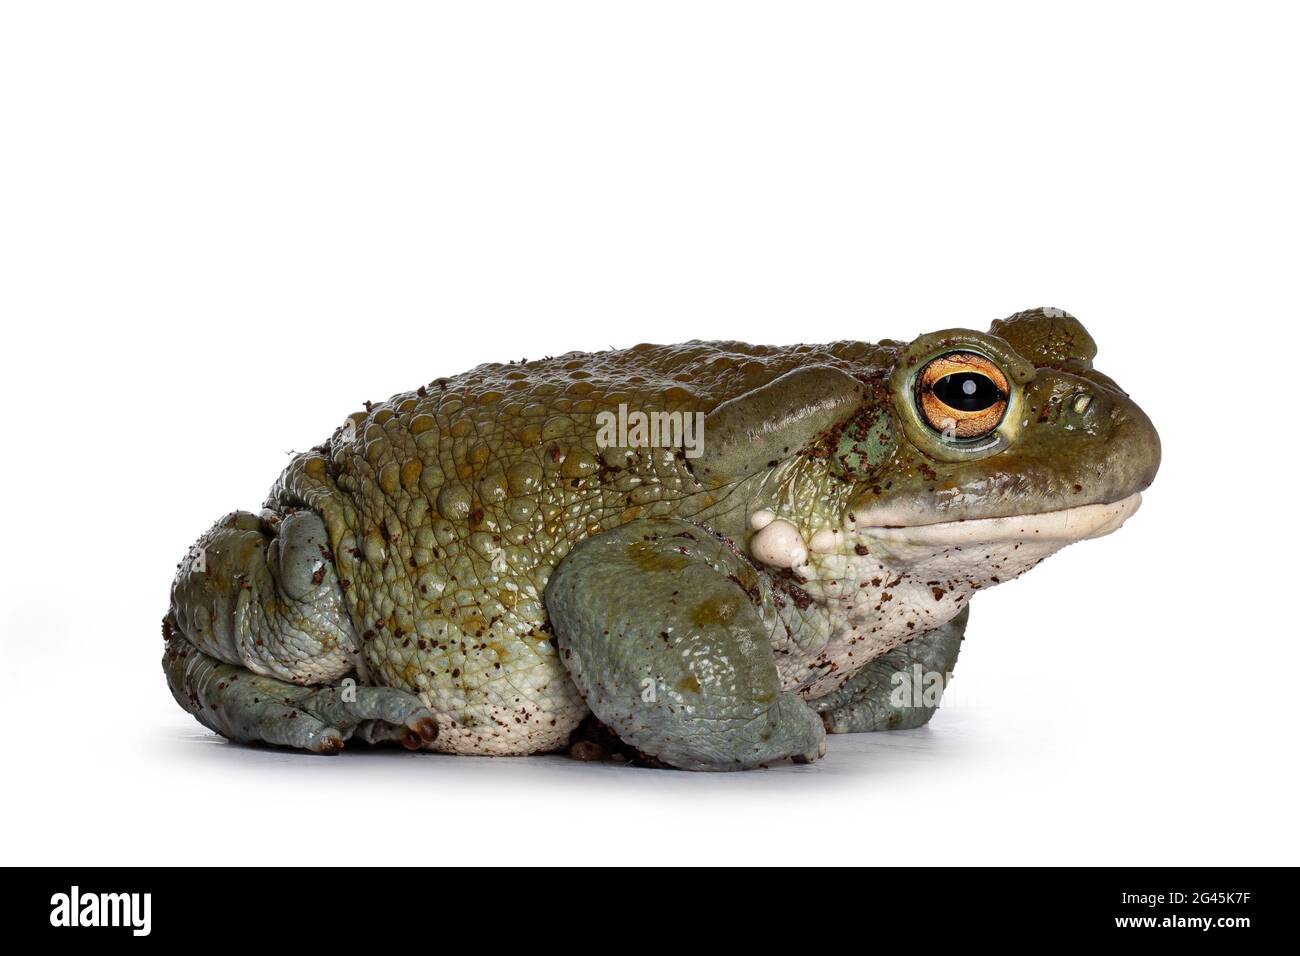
779	544
826	541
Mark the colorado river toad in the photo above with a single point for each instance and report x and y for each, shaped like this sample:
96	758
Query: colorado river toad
722	551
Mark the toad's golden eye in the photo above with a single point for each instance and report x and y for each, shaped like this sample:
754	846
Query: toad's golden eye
962	395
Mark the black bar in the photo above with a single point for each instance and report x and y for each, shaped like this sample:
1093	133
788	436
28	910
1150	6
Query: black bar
298	905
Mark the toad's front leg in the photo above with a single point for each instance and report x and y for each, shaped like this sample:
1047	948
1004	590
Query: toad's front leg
670	648
899	690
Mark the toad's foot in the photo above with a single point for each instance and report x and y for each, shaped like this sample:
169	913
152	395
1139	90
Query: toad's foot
248	707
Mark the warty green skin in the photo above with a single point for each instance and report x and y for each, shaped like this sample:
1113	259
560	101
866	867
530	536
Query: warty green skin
468	552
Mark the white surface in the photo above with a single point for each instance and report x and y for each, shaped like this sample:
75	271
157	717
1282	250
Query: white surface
221	230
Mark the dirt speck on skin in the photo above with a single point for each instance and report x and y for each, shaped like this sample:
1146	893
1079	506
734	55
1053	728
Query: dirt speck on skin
586	750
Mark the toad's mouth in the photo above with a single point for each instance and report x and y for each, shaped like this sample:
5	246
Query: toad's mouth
1029	537
1065	525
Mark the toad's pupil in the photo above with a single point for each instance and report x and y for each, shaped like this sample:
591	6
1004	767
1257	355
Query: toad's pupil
967	391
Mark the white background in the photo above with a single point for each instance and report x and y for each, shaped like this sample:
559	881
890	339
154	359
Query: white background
223	227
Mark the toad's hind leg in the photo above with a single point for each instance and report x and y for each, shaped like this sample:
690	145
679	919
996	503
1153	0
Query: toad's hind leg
247	707
671	651
899	690
257	625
